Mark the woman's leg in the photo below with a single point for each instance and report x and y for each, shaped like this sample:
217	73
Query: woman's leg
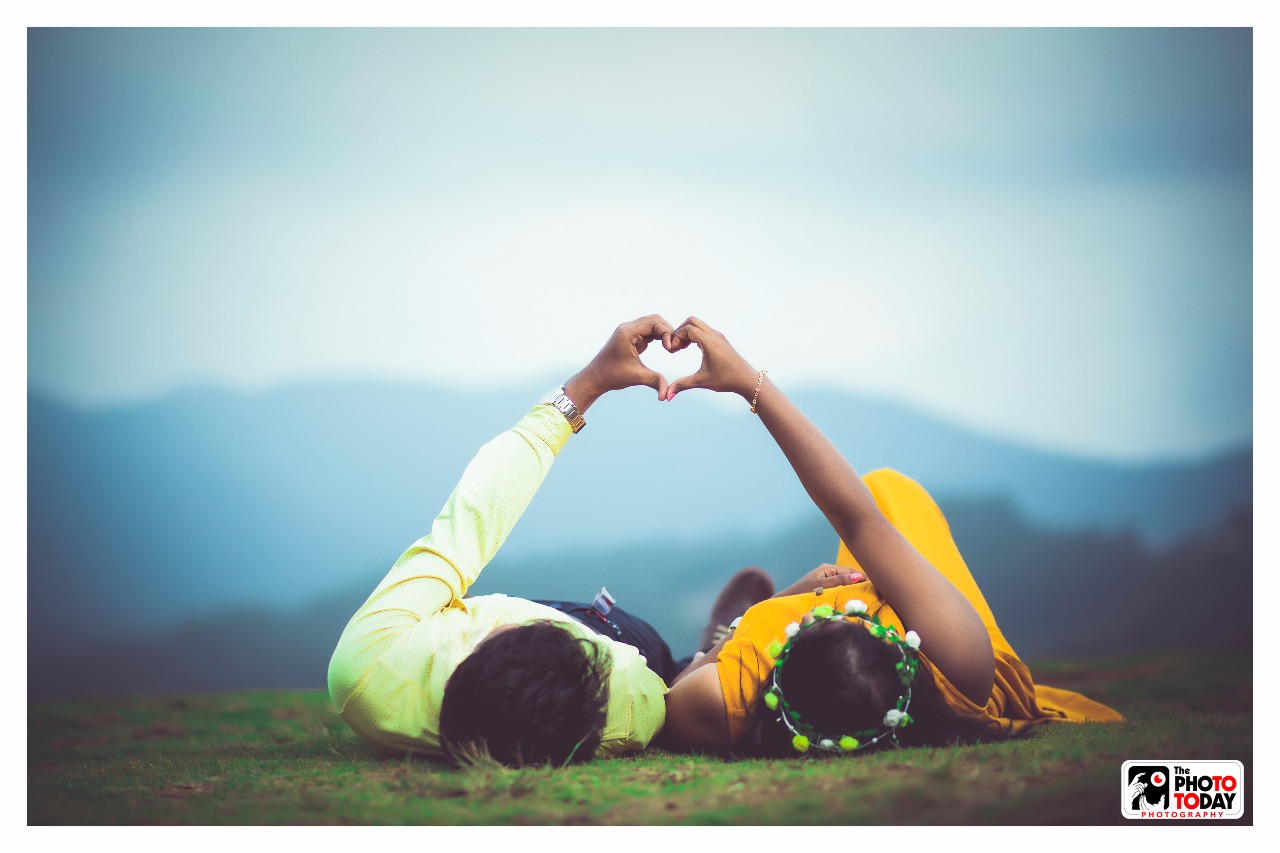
917	517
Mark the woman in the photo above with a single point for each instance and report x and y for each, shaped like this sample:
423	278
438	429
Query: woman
831	667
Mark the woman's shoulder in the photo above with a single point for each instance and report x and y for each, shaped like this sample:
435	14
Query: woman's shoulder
697	717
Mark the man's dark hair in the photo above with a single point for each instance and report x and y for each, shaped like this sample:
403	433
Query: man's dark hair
535	694
841	680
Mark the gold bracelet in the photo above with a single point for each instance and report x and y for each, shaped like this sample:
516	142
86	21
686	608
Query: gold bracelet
755	397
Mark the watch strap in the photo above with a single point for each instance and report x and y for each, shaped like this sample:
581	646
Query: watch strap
559	400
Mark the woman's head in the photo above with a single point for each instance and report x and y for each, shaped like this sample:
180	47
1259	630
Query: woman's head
844	678
839	678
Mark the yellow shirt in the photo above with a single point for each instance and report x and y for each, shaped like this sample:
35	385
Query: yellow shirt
388	673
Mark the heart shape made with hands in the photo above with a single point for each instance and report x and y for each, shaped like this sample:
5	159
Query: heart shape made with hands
672	365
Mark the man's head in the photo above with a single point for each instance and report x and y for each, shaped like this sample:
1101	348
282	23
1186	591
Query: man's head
533	694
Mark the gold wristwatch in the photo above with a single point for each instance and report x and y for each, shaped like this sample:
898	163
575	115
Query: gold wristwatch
561	402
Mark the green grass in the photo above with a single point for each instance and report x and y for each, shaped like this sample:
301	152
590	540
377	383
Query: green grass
286	758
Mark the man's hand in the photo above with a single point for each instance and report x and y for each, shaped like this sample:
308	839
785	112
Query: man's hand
618	363
825	576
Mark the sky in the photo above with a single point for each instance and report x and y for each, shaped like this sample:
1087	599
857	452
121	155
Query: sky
1042	234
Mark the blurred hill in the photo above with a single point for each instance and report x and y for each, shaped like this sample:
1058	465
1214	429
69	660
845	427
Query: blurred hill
1054	595
211	540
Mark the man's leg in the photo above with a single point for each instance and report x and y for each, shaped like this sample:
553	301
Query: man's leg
745	588
642	635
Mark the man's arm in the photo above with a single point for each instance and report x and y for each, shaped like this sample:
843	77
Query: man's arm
496	488
502	479
436	571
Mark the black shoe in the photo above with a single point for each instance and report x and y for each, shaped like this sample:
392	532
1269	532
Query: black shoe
744	589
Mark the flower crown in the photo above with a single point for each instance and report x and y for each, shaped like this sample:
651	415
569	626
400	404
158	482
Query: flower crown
805	736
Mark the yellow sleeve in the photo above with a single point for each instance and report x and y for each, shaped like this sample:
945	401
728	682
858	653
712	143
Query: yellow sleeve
494	492
435	572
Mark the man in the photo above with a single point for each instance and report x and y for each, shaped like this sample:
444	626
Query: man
420	669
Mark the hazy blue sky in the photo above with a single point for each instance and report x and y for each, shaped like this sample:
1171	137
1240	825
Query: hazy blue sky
1045	234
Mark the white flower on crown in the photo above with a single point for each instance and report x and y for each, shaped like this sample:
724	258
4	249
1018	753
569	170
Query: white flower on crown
827	743
913	639
855	605
793	629
893	717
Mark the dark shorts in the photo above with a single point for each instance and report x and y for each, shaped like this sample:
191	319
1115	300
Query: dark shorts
625	628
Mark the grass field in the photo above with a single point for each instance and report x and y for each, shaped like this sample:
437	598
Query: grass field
286	758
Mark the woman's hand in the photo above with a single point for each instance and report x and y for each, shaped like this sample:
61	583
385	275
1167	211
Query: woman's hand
722	369
618	363
825	576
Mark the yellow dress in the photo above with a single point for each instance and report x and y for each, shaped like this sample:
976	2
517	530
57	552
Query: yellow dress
1016	701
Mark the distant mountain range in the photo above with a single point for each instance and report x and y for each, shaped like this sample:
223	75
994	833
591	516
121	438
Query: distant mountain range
1054	595
229	519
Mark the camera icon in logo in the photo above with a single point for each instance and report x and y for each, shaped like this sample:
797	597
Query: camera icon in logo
1148	787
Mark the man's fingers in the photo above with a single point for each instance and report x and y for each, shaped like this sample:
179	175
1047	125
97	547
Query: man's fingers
654	327
658	381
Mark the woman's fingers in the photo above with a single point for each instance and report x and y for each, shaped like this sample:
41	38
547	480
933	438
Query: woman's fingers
696	323
842	579
692	329
722	369
695	380
687	334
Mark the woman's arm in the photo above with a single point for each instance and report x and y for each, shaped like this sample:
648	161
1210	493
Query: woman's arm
952	633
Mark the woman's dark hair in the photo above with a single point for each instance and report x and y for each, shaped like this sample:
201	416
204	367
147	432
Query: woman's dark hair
842	680
535	694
